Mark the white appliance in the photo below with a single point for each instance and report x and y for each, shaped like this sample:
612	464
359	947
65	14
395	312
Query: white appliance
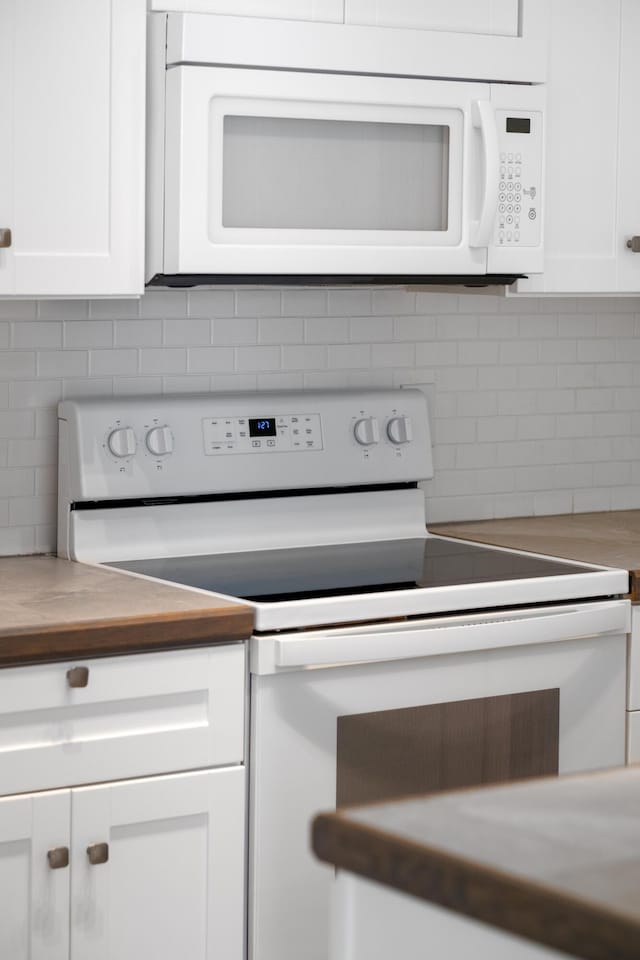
384	660
323	170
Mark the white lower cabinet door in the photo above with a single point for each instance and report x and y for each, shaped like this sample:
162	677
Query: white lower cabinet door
158	868
34	876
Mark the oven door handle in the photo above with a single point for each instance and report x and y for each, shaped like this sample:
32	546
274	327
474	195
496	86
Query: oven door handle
425	640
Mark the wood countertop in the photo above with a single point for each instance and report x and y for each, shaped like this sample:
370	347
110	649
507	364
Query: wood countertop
556	861
53	609
611	539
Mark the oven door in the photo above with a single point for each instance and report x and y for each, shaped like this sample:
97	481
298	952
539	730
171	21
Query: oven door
303	173
444	703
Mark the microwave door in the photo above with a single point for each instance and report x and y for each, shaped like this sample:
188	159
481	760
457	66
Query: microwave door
269	172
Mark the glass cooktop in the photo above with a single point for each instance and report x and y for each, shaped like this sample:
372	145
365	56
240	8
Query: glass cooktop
269	576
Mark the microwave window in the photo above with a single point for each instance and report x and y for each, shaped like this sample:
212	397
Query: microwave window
288	173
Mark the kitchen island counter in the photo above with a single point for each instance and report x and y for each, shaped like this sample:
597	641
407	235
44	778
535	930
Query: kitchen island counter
53	609
555	861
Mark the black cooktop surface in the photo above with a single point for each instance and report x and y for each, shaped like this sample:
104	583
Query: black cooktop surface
299	573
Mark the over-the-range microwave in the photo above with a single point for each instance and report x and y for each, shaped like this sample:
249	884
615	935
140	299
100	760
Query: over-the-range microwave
262	174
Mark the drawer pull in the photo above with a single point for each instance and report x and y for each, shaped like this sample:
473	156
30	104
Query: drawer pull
98	853
78	676
58	857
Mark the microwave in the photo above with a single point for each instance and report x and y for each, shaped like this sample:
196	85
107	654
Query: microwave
267	174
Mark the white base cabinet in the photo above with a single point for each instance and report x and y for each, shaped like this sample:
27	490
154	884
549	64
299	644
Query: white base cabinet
72	126
374	922
135	868
633	688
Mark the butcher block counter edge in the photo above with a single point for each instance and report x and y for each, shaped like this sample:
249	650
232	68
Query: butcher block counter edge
607	538
53	609
529	908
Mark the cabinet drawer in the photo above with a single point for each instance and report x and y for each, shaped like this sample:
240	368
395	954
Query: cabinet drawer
140	715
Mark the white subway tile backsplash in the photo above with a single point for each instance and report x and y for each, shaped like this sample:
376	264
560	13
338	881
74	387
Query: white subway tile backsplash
121	361
349	303
414	328
258	358
307	357
165	359
78	334
208	360
138	333
258	303
304	303
346	356
235	331
535	404
210	303
39	335
136	386
371	329
17	363
281	330
180	333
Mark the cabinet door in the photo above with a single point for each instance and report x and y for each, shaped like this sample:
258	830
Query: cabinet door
581	240
7	27
34	894
324	10
173	884
78	146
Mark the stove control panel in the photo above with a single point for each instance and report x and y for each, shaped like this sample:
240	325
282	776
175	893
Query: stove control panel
227	443
286	433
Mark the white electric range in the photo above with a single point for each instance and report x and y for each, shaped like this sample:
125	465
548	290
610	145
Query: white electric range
384	660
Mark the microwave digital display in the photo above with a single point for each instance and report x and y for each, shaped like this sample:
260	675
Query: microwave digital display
518	125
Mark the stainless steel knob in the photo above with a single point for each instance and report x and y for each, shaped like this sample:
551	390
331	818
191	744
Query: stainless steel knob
634	244
78	676
58	857
5	237
98	853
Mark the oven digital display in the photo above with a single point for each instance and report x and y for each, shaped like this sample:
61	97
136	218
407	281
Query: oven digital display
518	125
262	427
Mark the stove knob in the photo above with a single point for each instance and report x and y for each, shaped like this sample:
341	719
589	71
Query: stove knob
122	442
159	441
366	431
399	430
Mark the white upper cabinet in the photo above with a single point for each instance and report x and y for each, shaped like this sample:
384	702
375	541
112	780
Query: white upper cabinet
592	191
72	161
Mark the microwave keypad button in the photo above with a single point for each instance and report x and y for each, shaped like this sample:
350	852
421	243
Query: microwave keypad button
509	219
517	207
518	157
503	171
532	213
518	171
502	208
502	236
503	157
510	157
502	185
502	197
516	236
517	186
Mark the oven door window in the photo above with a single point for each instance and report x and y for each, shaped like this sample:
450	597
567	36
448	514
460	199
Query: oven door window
445	746
301	173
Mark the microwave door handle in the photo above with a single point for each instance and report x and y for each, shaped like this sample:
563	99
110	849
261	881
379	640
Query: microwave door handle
484	118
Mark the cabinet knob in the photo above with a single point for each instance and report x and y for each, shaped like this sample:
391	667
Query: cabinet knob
78	676
634	244
5	237
98	853
58	857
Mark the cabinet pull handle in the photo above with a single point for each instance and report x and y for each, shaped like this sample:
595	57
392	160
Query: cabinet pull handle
58	857
98	853
78	676
634	244
5	237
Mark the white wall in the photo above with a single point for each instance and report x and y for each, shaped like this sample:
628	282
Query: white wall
535	403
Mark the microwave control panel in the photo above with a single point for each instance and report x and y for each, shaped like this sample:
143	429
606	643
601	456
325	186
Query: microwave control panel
519	213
